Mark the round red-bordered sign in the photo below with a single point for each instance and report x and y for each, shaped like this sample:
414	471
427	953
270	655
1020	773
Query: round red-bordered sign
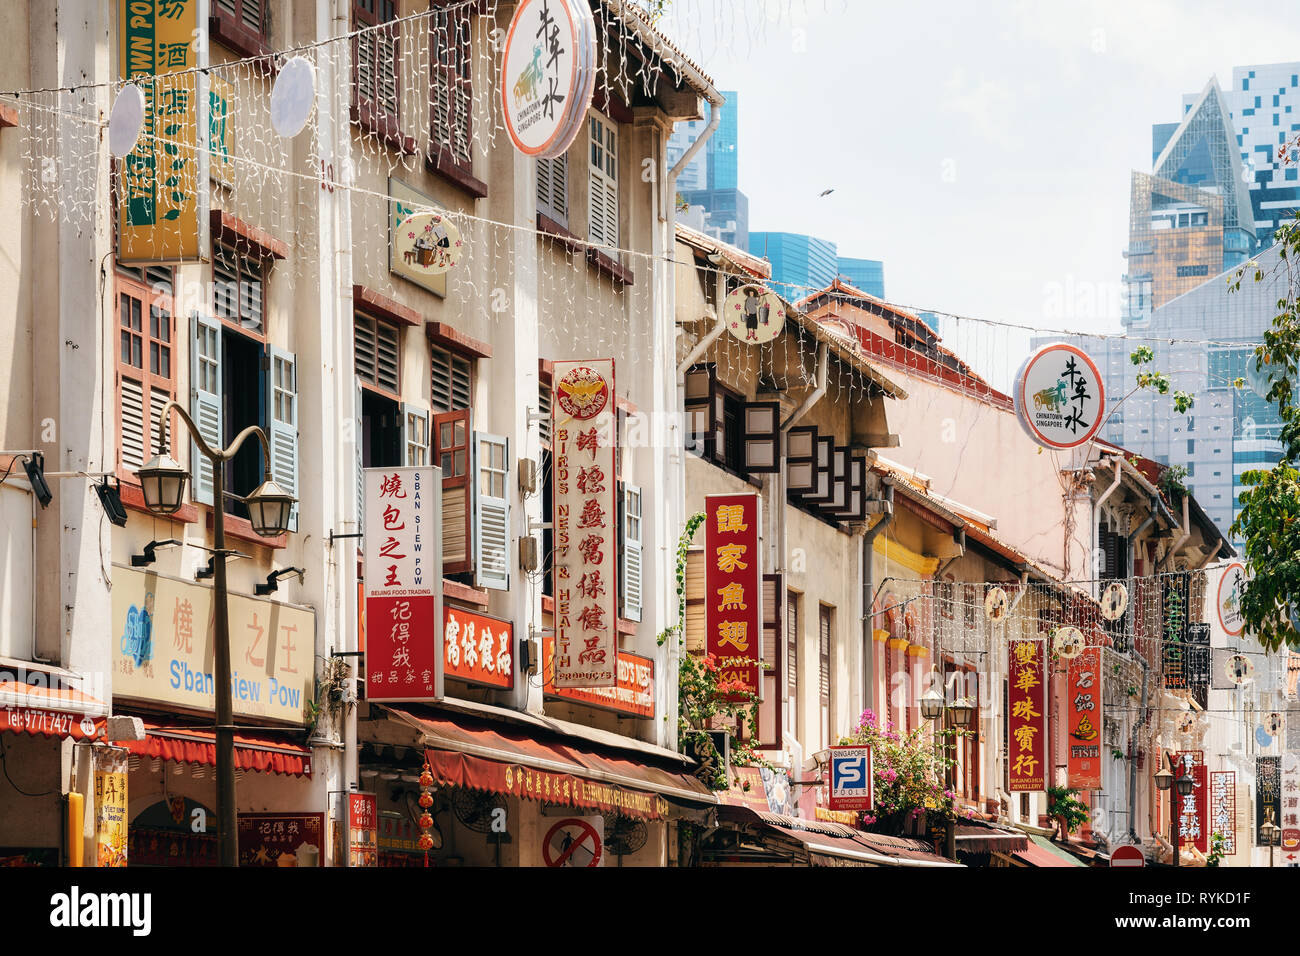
557	852
1127	856
583	393
1046	403
547	77
1228	600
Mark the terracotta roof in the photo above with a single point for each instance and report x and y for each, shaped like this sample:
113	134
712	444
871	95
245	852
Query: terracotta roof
760	268
668	51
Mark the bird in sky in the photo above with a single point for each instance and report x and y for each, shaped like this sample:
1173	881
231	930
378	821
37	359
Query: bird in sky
825	192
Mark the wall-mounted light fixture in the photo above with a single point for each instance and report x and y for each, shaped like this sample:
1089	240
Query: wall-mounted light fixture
273	579
110	498
150	552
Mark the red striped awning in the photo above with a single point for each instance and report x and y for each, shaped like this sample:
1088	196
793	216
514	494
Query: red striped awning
255	752
50	711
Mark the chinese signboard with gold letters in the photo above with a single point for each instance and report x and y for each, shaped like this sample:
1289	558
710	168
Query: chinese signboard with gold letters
1026	720
403	583
1083	707
477	648
733	593
634	695
1193	809
162	192
585	524
162	648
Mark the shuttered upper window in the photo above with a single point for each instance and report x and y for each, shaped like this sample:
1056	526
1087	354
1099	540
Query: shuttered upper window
237	284
451	93
243	26
146	370
602	200
824	657
553	189
375	71
452	381
378	354
544	409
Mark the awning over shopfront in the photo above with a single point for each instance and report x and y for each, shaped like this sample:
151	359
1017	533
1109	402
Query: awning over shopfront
50	711
1042	852
834	844
499	757
977	836
267	754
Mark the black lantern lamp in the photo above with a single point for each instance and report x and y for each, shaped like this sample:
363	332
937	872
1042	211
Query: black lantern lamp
962	710
932	704
269	508
162	482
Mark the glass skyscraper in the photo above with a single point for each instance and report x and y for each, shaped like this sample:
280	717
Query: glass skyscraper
867	275
710	180
800	264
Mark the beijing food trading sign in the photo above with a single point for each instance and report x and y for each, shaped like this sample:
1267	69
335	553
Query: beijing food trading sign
1059	395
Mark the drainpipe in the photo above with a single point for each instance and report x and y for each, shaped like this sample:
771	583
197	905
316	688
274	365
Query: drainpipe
1185	532
702	346
669	199
813	397
1142	712
868	597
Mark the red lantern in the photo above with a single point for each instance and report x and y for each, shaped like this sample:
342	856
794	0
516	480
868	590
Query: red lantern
426	799
426	778
425	844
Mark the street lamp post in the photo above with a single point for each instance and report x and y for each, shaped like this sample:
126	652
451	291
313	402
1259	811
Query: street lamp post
932	708
1269	832
1165	781
162	482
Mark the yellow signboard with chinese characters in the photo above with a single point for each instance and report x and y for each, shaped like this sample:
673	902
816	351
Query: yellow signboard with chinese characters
221	131
110	807
163	649
162	192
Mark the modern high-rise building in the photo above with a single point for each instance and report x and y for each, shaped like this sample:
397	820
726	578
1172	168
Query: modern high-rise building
1265	104
800	264
865	274
710	179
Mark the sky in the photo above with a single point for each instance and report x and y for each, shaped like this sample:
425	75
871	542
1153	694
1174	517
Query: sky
982	151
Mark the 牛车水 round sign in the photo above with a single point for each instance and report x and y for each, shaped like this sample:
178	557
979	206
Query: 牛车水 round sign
548	74
428	242
1231	586
753	314
1059	395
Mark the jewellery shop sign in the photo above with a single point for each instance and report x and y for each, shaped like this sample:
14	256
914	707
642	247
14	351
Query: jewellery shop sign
163	648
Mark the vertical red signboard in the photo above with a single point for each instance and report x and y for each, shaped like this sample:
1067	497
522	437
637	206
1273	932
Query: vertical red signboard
1083	708
1193	809
733	591
403	583
1026	723
585	524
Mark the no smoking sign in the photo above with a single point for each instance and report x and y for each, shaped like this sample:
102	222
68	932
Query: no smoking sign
574	841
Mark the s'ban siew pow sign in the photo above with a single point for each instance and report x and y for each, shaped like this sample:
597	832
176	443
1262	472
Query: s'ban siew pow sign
1059	396
584	524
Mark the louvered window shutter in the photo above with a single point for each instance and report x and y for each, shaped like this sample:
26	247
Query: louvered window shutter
762	437
492	513
769	711
824	657
205	406
630	568
378	353
451	381
553	189
453	452
602	202
699	408
283	389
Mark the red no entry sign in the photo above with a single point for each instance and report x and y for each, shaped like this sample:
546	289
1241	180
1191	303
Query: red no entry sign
1127	856
572	842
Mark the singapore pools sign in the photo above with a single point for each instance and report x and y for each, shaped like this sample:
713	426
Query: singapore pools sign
1059	395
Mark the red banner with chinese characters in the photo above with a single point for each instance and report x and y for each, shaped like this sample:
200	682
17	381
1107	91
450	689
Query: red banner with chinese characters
282	839
733	589
403	583
477	648
1083	710
1026	717
363	830
634	695
1193	809
584	523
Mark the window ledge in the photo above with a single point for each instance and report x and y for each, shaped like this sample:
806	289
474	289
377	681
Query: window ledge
8	116
443	165
550	227
240	528
464	592
609	266
381	306
133	498
443	334
245	238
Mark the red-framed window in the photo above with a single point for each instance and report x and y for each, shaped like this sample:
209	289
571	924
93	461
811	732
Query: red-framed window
145	364
451	86
376	71
243	26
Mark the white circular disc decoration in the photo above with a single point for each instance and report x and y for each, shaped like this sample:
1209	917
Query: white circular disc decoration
1059	396
1261	379
1231	586
1114	601
996	604
126	120
293	97
754	314
548	74
428	242
1239	669
1068	643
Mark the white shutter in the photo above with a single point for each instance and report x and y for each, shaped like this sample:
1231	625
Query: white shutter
602	192
553	188
135	443
631	595
205	407
360	446
283	391
492	512
415	434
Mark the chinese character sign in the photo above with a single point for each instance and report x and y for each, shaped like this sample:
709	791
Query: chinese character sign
1026	720
1193	809
162	191
634	696
110	809
1059	396
403	582
281	839
1268	792
584	524
547	75
477	648
1290	803
363	830
1083	709
1223	808
733	592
